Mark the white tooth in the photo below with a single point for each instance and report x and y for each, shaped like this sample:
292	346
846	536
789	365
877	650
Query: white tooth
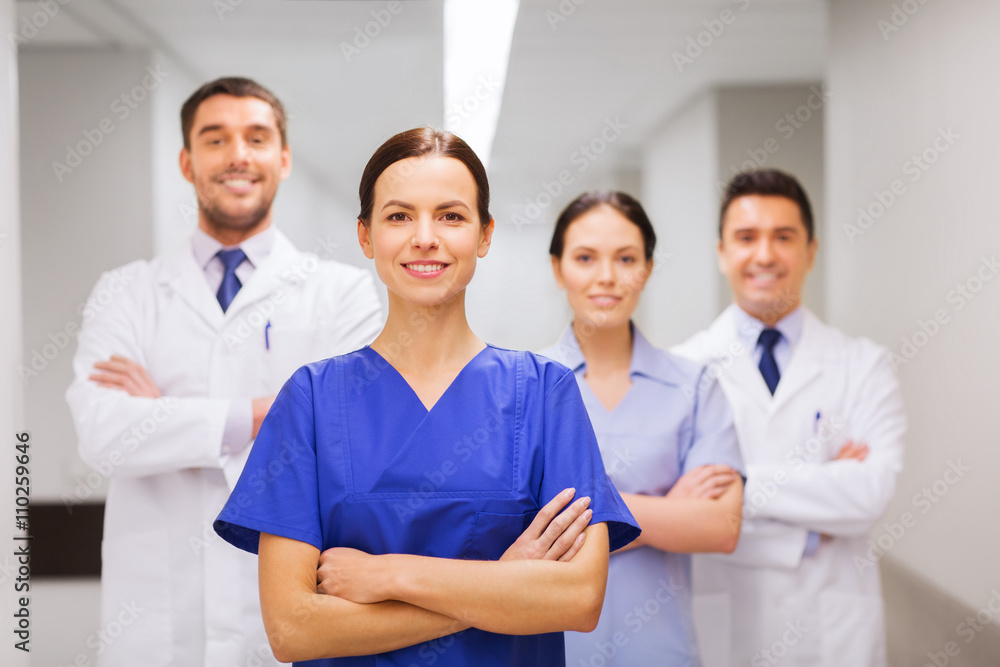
238	182
426	268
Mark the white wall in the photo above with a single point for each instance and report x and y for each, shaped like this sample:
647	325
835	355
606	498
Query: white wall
895	95
77	224
777	127
679	174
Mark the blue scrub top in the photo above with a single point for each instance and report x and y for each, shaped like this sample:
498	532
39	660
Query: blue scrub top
348	456
673	419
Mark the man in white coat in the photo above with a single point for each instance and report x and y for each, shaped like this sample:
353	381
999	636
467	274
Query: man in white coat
175	374
820	421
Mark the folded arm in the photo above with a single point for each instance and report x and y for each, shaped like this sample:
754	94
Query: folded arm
302	624
510	597
702	513
556	534
845	496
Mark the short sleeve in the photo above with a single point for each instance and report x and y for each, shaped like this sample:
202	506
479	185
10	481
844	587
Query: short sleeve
713	436
573	459
277	492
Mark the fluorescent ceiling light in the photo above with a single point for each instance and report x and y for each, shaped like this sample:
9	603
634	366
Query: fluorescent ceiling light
477	37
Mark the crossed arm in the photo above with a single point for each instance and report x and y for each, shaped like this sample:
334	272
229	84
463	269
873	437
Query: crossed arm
701	512
126	375
552	578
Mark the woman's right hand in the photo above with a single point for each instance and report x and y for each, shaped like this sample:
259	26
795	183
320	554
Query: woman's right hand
553	536
707	481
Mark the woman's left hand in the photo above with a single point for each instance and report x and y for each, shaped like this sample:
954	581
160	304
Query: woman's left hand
350	574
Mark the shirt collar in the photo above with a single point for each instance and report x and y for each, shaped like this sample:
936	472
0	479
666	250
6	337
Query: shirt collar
257	248
748	328
647	360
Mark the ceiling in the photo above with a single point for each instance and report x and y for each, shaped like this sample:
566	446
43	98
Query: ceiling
577	67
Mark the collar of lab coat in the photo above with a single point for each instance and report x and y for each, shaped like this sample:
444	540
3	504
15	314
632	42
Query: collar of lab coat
179	270
816	349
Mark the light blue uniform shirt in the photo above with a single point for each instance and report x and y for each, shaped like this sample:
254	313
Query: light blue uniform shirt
673	419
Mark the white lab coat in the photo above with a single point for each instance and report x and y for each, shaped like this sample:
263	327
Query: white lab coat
173	593
766	603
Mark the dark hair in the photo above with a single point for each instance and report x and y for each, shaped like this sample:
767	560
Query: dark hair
625	204
768	183
419	142
237	87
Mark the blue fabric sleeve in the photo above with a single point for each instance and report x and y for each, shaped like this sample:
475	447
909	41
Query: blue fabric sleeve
713	437
277	492
573	459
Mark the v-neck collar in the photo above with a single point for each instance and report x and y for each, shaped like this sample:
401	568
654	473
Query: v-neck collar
454	381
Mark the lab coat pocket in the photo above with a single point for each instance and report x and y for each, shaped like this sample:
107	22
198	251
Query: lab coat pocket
853	632
289	348
136	600
493	534
833	430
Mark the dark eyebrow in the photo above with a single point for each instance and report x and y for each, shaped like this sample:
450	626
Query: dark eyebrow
396	202
218	128
451	204
410	207
622	249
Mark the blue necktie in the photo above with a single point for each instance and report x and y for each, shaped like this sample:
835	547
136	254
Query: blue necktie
230	283
768	366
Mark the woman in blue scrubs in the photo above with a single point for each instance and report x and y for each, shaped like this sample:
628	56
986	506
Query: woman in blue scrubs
387	486
665	432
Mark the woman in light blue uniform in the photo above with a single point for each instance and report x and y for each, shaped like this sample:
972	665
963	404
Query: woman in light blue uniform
385	484
664	429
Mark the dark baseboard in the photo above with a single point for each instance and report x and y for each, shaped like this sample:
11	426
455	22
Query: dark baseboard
65	543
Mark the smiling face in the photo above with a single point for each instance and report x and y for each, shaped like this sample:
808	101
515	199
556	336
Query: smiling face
235	162
425	235
766	253
603	267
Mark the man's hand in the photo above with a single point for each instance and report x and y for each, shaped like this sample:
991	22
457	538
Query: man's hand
125	375
552	537
707	481
852	450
